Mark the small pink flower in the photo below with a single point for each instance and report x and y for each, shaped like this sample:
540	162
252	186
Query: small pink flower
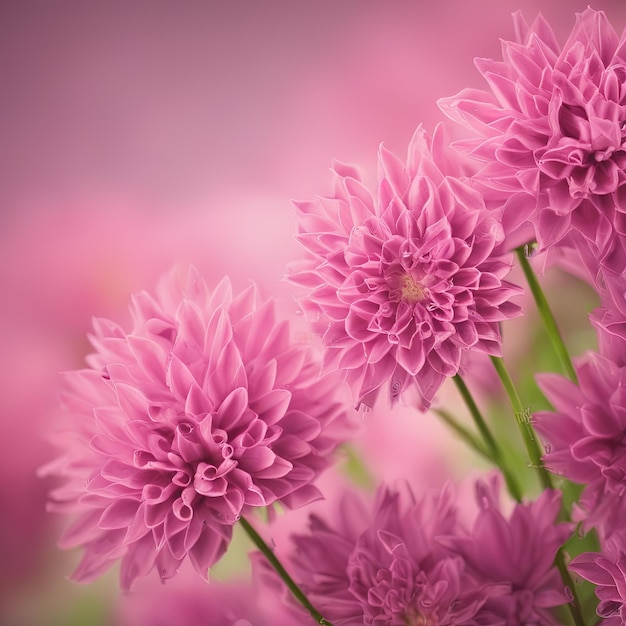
552	132
204	409
585	436
403	283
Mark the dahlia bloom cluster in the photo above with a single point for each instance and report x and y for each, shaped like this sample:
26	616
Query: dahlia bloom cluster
204	410
414	560
549	142
405	281
207	408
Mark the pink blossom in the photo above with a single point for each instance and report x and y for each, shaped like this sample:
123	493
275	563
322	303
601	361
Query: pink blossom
607	570
399	572
205	409
585	436
412	560
519	550
550	131
404	282
393	563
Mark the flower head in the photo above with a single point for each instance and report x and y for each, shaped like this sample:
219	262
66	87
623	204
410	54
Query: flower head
403	283
401	574
206	408
393	564
552	131
519	550
585	435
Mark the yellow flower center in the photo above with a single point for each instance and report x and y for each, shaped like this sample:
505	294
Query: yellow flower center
415	618
411	290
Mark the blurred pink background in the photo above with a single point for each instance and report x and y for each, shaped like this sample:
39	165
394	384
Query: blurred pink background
137	134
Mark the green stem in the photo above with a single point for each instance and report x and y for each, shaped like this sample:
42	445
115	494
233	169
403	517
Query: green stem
574	605
282	572
470	438
488	438
546	315
523	419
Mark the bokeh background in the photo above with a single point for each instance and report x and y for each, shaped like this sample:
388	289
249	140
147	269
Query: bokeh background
134	135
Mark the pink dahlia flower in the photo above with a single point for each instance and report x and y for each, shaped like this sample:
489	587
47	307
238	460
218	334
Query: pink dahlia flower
551	131
406	281
204	409
393	565
518	550
607	570
585	436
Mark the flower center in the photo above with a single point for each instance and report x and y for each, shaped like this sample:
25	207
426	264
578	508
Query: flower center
416	618
411	290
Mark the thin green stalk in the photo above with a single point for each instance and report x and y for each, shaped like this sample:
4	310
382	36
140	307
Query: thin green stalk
546	315
523	419
490	442
470	438
282	572
574	605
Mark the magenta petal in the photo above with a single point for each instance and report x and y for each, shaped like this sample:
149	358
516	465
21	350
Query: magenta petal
120	514
138	561
587	566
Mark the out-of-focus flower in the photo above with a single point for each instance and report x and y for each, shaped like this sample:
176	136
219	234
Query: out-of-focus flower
413	560
399	574
607	570
585	435
403	283
393	565
551	131
207	407
519	550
